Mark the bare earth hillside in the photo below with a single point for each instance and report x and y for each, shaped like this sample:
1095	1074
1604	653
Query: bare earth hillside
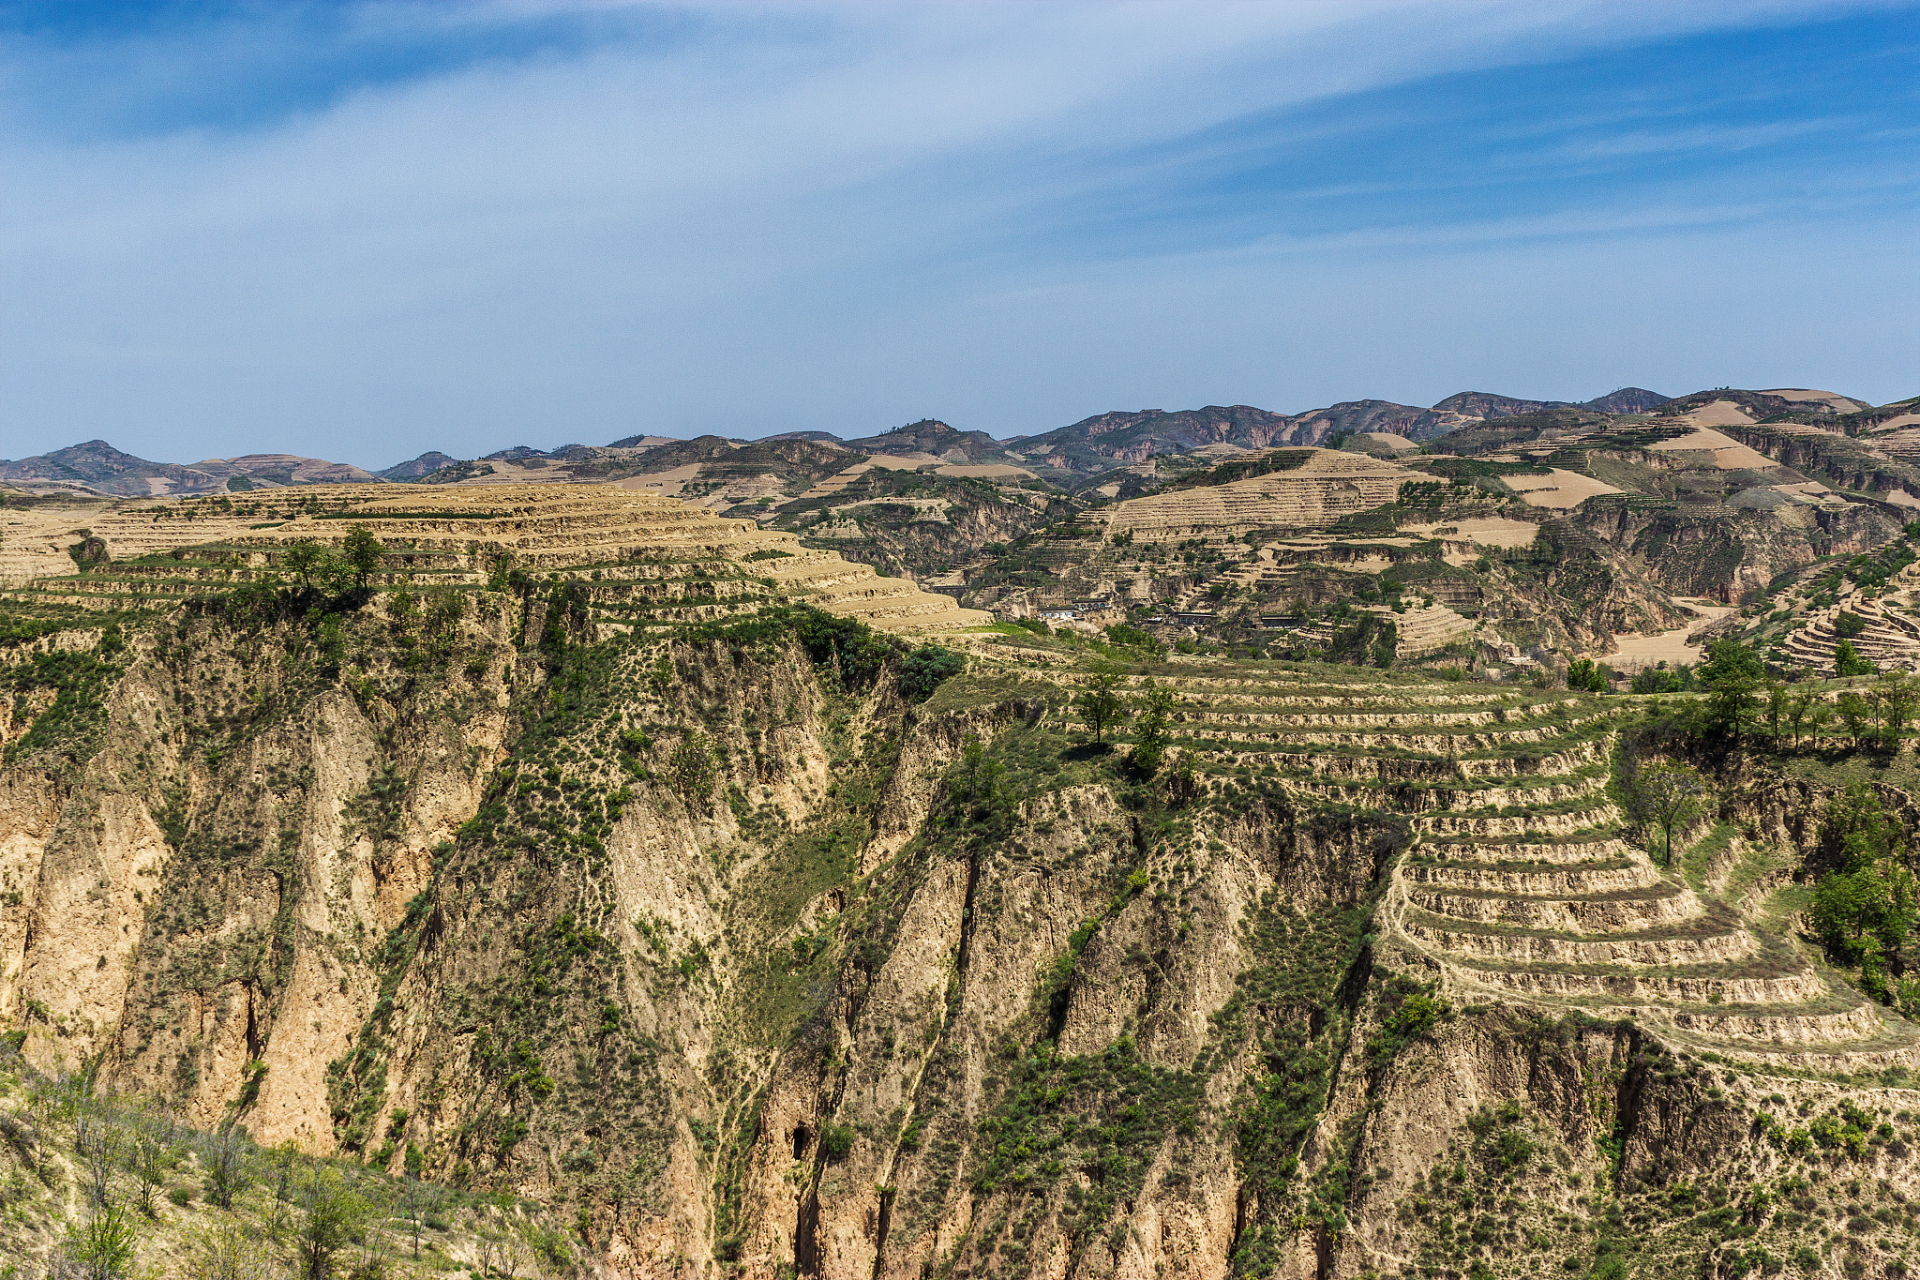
677	901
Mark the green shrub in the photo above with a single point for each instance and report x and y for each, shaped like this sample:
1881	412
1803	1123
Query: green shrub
924	670
692	768
102	1248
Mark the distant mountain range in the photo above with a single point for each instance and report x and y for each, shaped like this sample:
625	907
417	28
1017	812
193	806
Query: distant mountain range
1067	454
96	467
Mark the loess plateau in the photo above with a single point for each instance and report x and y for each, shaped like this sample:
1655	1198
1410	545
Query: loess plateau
677	900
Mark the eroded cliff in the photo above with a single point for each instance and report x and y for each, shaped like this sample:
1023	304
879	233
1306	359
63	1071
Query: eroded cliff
712	937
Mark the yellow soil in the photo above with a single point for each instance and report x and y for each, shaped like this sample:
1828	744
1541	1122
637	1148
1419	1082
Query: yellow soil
540	472
1842	403
1483	531
545	527
1327	486
667	484
985	471
1399	444
34	540
1800	429
1558	489
1631	653
1728	454
839	480
1720	413
842	526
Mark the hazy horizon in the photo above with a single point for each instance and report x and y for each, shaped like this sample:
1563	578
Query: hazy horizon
741	439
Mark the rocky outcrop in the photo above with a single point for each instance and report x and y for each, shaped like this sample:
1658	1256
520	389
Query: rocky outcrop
735	958
1728	554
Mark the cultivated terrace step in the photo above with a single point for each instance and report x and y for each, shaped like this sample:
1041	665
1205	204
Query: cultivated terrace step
1698	941
1520	881
1740	982
1574	850
632	553
1618	911
1793	1025
1538	880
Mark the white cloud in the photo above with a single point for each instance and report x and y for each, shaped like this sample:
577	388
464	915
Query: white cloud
745	219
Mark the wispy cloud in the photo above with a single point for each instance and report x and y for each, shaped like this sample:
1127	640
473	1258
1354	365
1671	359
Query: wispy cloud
368	230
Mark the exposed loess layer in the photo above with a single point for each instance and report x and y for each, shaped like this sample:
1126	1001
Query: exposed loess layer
634	554
703	932
1327	485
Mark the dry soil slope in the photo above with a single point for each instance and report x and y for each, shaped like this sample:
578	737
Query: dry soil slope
1327	485
457	536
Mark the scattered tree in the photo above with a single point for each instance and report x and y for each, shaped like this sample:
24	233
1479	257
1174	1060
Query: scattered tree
1584	675
335	1214
1856	713
1865	910
1773	711
102	1247
1731	675
362	553
414	1202
1099	703
154	1144
1847	661
1154	713
1132	637
1667	796
977	785
1894	699
225	1155
280	1182
444	614
1807	714
1661	678
303	559
225	1250
97	1141
404	613
924	670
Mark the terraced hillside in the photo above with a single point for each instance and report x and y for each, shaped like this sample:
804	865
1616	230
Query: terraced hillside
1868	601
1314	489
757	946
637	556
1507	903
38	537
1520	877
550	848
1883	631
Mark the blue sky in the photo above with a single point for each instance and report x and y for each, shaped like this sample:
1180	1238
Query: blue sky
361	231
